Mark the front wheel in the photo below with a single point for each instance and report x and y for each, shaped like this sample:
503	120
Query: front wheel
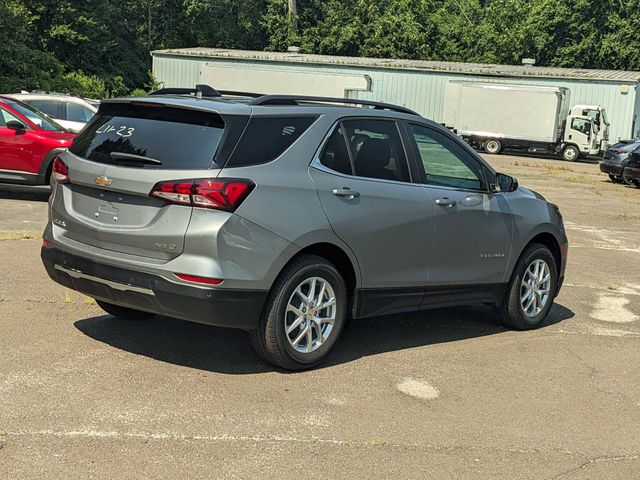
615	179
493	146
303	316
531	290
570	153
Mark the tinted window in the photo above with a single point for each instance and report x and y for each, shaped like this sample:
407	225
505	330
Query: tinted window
5	117
177	138
625	146
445	162
78	113
34	116
266	138
48	107
335	154
376	149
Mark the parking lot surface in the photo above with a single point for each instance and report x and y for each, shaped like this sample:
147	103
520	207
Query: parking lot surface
441	394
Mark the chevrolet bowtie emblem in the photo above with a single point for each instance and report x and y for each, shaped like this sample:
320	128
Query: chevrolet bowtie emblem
103	181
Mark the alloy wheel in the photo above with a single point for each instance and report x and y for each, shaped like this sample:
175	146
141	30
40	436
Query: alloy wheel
310	314
535	288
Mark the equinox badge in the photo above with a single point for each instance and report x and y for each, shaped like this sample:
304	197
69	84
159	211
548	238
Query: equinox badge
103	181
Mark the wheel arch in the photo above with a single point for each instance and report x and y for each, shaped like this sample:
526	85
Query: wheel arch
335	254
550	241
44	172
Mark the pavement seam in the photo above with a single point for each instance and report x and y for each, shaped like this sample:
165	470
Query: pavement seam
380	443
591	461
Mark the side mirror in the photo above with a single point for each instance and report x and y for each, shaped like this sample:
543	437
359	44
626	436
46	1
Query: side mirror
15	125
506	183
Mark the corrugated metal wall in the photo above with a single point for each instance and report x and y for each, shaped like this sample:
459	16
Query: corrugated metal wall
422	91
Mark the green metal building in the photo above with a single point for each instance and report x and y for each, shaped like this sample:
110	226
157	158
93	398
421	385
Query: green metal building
416	84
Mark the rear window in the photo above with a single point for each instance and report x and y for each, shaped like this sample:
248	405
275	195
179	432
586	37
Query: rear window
266	138
150	136
625	145
50	108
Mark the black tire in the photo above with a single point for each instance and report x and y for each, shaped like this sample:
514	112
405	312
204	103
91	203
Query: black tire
630	181
615	179
124	312
511	311
493	146
270	338
570	153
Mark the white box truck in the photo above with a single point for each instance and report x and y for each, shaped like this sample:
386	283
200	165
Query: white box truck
495	116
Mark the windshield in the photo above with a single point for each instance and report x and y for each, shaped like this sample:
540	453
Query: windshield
35	116
593	114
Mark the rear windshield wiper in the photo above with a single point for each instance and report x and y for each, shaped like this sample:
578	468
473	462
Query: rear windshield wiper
133	158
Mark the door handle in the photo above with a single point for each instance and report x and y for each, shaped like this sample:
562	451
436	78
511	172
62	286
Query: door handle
346	193
445	202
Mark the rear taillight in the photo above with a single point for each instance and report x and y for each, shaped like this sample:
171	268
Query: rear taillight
617	152
218	193
60	171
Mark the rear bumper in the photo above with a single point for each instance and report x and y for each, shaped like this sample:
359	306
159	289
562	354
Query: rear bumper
152	293
611	169
632	173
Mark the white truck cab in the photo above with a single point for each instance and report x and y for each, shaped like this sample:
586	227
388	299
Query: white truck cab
599	116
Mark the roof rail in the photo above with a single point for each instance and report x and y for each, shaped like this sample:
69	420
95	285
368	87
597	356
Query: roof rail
297	99
201	90
233	93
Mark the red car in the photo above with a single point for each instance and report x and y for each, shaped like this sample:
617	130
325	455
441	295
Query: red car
29	141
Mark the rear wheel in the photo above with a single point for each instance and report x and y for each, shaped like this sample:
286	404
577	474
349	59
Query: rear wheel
570	153
303	316
493	146
123	312
531	290
631	181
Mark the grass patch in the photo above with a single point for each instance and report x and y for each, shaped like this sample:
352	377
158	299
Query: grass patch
580	179
557	168
22	235
627	216
68	298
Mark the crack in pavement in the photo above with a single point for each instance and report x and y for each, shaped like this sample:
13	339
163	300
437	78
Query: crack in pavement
381	443
591	461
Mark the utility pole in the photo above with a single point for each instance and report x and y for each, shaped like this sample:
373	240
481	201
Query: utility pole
149	25
293	14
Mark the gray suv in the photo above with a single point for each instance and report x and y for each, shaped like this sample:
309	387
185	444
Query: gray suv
286	215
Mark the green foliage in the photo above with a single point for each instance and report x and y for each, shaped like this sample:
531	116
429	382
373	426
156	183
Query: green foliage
77	83
101	48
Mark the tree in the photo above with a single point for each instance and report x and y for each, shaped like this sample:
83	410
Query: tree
22	64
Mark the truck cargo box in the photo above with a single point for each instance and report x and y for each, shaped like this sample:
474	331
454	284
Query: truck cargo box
494	110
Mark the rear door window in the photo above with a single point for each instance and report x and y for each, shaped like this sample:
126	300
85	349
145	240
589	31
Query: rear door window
376	149
266	138
50	108
78	113
150	136
335	154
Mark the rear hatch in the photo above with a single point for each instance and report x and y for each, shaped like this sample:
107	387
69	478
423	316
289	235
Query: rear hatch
618	152
118	159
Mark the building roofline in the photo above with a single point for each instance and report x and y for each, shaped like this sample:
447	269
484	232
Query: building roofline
480	69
